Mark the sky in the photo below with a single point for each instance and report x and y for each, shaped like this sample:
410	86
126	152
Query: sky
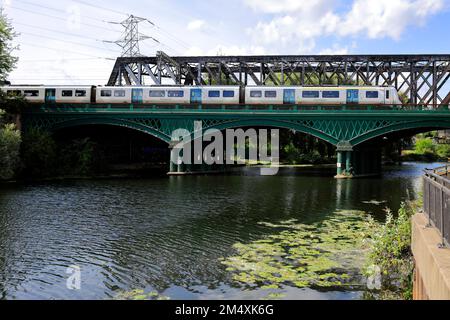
63	42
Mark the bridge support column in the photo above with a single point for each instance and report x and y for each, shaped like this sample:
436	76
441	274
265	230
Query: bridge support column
358	162
175	168
340	156
344	160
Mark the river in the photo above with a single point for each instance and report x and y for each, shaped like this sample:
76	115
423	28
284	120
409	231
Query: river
167	234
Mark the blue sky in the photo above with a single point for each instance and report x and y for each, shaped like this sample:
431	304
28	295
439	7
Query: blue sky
61	41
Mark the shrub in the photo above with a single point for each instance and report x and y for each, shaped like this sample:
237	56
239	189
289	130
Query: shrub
9	151
424	145
390	250
39	154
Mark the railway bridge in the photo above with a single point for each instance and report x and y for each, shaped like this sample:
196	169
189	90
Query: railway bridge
350	130
423	80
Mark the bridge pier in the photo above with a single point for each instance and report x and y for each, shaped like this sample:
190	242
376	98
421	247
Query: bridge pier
354	162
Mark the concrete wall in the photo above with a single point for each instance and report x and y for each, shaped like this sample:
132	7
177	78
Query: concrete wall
432	263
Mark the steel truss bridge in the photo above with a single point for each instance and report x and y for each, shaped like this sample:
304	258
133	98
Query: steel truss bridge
422	78
351	128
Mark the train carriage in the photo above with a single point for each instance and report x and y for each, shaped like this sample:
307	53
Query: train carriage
35	94
331	95
275	95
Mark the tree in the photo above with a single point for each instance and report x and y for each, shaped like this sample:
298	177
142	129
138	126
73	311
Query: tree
9	151
7	60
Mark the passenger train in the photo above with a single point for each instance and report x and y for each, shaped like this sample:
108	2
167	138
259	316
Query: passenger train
271	95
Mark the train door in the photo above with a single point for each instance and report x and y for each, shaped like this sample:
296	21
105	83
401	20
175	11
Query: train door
289	96
50	95
137	95
352	96
196	96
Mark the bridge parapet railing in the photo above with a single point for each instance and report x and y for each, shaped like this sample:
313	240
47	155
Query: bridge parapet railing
237	107
436	200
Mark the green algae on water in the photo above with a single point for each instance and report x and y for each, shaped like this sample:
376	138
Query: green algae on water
325	254
139	294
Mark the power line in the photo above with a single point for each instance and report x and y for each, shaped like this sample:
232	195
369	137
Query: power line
52	60
59	18
59	10
65	41
69	51
99	7
184	44
57	31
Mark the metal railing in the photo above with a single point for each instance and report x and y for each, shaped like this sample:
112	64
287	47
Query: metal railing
282	108
436	196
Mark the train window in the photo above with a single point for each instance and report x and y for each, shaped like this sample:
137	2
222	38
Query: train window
119	93
14	93
31	93
105	93
330	94
80	93
157	93
175	93
214	94
371	94
228	94
67	93
310	94
255	94
270	94
387	94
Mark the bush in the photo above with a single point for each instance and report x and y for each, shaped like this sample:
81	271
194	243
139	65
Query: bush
390	250
39	154
443	150
424	145
9	151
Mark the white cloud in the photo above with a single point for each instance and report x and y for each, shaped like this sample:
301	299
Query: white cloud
387	18
196	25
296	23
335	49
285	6
222	50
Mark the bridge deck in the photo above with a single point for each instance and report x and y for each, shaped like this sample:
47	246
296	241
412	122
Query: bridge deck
240	108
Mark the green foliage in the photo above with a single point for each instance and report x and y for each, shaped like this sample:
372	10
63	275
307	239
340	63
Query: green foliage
78	157
43	157
39	154
12	104
9	151
139	294
390	250
424	145
297	151
7	61
443	150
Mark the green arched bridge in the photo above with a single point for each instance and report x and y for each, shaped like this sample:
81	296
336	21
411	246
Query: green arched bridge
350	128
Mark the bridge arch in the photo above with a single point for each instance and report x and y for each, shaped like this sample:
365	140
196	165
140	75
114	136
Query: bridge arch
420	125
274	123
112	122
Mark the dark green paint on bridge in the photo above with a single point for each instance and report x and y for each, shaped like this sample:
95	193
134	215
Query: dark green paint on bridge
352	129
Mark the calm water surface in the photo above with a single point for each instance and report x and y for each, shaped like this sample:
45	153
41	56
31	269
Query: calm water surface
167	234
